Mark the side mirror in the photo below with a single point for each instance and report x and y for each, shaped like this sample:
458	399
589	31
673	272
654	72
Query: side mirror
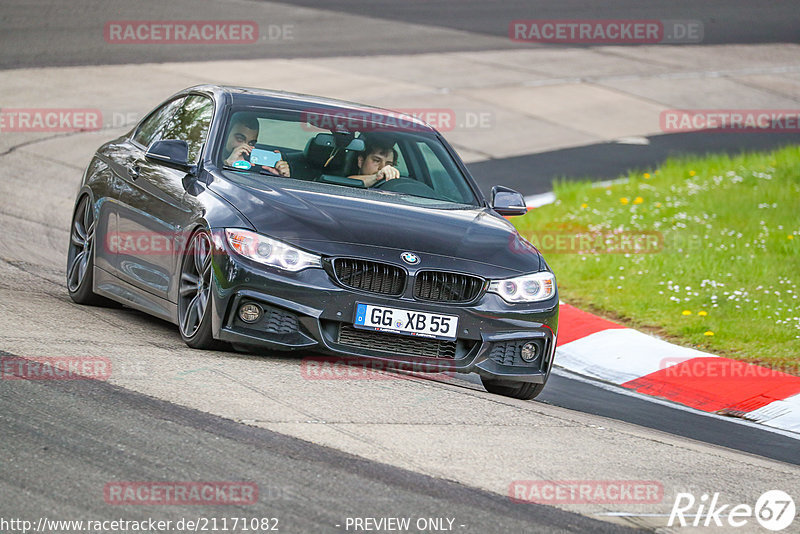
172	153
506	201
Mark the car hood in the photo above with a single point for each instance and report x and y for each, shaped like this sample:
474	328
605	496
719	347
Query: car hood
365	224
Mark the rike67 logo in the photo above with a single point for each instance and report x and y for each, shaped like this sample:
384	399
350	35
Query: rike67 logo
774	510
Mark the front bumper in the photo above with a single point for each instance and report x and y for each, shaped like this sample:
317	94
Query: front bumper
309	310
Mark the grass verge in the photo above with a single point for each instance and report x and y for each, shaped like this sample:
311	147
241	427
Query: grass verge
704	251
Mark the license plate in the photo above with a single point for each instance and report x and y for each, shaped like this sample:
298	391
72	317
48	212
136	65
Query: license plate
407	322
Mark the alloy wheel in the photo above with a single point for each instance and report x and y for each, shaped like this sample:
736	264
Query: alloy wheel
80	244
195	284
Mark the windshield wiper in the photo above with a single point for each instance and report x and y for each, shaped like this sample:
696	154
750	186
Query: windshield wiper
265	172
261	170
231	168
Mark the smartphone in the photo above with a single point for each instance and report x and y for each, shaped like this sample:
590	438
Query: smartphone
265	158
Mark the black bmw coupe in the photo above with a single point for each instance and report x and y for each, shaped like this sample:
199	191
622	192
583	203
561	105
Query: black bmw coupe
265	219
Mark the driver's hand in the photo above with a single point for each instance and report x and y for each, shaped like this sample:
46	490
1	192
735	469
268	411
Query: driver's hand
239	153
387	173
282	168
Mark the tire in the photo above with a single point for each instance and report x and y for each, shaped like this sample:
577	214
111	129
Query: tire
515	390
80	257
195	294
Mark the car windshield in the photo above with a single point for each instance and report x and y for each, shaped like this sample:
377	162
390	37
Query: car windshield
376	154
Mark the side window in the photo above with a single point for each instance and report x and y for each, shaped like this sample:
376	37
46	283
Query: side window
153	126
191	124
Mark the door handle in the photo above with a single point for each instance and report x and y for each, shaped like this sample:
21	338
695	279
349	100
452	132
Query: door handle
134	171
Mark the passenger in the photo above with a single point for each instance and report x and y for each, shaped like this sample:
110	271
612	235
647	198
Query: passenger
241	140
377	162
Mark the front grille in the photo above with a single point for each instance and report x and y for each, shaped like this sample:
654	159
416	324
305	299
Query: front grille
370	276
395	343
440	286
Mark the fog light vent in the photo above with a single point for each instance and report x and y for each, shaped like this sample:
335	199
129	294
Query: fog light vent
249	312
522	352
529	352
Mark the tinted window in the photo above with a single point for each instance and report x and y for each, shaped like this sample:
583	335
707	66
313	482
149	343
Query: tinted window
285	134
315	153
190	124
152	127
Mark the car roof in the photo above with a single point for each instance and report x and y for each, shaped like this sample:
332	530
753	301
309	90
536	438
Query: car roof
249	96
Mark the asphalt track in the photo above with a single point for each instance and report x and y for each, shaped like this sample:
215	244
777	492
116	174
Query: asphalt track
63	441
588	397
535	173
37	33
725	22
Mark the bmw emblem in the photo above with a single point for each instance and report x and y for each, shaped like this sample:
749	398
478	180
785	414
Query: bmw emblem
410	258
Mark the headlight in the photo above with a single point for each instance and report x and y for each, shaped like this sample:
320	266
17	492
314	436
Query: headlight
527	288
270	251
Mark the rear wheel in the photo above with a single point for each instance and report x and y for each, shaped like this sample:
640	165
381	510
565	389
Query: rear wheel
509	388
80	256
194	300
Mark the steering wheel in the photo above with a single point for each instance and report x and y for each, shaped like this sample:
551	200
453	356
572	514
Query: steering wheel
405	185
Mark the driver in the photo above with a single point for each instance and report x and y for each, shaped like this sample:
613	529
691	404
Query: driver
241	140
377	162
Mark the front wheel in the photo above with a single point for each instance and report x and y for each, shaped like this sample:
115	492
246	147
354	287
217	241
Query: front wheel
80	256
194	300
509	388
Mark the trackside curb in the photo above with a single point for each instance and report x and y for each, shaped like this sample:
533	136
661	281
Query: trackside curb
601	349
